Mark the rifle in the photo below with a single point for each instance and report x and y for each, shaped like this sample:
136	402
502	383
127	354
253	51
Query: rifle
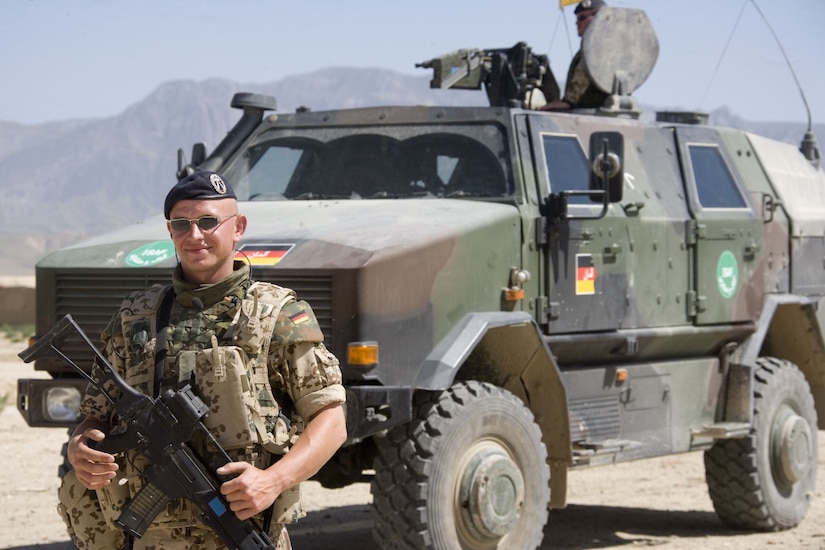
160	430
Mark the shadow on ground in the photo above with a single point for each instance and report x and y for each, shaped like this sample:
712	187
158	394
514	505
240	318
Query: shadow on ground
610	526
576	527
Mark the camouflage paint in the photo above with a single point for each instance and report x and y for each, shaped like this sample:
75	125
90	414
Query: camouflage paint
632	367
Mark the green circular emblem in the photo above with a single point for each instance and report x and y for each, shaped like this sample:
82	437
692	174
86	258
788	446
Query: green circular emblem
727	274
150	254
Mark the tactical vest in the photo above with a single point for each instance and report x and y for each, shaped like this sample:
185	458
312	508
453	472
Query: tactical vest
230	376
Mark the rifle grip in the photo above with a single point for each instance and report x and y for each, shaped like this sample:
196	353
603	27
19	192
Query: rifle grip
114	444
141	510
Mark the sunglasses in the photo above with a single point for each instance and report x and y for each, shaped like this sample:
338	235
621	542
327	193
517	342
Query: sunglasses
205	223
582	17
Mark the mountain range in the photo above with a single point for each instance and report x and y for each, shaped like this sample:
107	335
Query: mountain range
65	180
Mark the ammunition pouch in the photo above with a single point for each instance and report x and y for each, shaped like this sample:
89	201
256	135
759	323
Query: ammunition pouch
243	412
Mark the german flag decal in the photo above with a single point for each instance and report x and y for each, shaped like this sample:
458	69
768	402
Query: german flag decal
585	274
300	317
263	254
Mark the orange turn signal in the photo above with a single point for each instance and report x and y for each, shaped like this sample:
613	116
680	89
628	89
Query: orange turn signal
363	354
513	294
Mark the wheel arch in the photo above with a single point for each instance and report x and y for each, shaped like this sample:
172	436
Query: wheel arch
790	329
507	349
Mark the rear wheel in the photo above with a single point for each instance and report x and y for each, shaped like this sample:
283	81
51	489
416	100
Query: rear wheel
765	481
469	472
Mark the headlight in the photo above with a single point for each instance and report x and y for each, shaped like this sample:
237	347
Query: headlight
62	404
50	402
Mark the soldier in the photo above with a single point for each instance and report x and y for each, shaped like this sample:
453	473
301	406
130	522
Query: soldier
213	315
579	91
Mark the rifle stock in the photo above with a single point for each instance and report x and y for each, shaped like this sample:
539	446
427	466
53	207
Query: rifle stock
160	429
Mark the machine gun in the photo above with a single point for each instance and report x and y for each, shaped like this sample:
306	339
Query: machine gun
509	75
159	429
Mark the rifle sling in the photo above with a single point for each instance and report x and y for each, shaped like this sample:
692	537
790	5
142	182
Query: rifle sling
160	345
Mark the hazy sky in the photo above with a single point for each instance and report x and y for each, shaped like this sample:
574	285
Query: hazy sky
65	59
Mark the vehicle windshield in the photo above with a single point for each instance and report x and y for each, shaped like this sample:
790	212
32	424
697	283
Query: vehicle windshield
339	164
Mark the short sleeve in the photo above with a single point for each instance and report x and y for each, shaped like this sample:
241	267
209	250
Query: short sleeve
300	363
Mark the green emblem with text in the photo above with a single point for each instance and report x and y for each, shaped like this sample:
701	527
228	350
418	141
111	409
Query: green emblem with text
150	254
727	274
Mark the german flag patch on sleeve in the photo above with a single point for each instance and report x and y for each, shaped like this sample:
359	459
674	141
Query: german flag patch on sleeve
297	323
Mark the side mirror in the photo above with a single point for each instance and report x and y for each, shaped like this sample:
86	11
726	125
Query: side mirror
198	153
607	166
188	168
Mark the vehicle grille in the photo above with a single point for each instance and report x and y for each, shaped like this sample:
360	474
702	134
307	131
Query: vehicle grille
92	299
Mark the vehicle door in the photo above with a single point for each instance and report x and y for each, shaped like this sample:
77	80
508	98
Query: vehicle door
725	232
585	265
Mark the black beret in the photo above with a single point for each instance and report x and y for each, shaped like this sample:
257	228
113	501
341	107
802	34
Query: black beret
198	186
589	5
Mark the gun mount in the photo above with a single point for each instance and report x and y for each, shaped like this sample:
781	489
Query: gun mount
620	49
509	75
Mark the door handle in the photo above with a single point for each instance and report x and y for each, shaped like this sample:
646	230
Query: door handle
613	249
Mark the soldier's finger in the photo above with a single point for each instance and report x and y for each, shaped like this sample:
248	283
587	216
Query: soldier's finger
88	452
99	457
93	480
244	515
94	434
107	469
233	468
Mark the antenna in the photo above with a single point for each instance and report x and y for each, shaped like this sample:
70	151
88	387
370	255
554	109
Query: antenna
808	147
787	60
721	57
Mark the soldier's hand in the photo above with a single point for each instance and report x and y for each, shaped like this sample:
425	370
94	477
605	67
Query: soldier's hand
251	492
94	469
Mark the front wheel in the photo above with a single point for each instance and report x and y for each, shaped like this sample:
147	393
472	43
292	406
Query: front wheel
469	472
765	481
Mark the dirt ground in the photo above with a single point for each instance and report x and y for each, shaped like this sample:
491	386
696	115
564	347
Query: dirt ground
659	503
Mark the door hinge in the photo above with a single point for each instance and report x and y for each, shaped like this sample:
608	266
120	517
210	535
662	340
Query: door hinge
695	303
541	309
695	231
541	231
547	310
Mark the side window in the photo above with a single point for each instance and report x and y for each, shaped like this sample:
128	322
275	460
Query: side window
567	168
714	182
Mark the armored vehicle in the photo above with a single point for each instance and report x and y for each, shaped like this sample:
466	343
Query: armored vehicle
516	293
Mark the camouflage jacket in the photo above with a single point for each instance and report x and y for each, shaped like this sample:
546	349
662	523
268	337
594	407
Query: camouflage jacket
260	330
579	90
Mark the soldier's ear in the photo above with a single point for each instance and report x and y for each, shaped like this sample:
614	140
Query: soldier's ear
240	227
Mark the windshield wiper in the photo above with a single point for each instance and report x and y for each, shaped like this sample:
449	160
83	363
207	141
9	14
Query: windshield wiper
310	196
410	195
459	193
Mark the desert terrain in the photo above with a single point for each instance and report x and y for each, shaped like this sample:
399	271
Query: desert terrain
660	503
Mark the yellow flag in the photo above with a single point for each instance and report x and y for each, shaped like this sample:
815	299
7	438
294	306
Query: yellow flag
563	3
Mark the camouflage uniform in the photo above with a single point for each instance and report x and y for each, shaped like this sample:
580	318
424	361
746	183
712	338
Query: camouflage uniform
215	331
579	90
